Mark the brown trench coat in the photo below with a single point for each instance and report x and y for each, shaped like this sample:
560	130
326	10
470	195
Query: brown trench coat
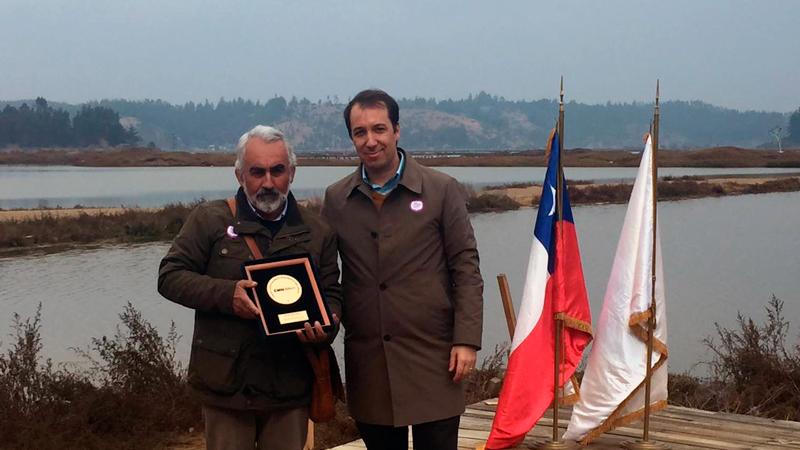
411	290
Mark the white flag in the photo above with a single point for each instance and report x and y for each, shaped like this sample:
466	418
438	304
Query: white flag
612	390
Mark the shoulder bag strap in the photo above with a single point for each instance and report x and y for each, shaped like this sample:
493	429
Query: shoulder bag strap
251	243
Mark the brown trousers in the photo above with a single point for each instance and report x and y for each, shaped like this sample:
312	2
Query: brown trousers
228	429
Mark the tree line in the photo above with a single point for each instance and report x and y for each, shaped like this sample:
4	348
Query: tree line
794	128
478	122
44	126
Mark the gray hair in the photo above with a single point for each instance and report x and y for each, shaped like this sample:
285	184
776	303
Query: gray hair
268	135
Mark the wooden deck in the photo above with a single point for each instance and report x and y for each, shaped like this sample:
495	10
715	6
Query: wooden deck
679	428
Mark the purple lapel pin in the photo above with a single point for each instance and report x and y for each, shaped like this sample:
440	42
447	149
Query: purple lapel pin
231	233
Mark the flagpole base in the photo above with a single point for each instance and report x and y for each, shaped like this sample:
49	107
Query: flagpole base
557	445
644	445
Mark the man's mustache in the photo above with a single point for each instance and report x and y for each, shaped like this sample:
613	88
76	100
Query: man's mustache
267	193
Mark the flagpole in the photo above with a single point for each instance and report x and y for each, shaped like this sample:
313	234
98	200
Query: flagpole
646	443
556	443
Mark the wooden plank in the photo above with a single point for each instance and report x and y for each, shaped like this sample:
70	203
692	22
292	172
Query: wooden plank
738	418
680	428
679	419
740	432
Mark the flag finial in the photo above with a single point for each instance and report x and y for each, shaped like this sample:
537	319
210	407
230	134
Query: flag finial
559	124
658	90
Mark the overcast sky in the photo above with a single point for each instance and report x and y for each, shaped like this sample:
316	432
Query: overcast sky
737	54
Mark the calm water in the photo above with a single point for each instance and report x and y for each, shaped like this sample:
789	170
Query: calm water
721	255
67	186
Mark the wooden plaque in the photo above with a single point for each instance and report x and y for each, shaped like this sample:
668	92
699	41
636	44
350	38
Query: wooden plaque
288	294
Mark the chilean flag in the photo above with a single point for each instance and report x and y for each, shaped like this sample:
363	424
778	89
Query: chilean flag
553	286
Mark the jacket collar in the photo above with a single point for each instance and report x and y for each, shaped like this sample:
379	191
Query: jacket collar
411	179
412	175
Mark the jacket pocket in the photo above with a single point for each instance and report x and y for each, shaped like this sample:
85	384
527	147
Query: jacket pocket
213	364
226	258
282	373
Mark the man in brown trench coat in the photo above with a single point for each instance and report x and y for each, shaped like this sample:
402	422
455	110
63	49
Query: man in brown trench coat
412	289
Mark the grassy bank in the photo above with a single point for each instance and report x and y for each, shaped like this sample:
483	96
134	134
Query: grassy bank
145	157
134	393
513	196
55	230
25	232
51	231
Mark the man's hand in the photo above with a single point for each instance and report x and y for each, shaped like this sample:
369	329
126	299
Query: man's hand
462	361
242	305
315	334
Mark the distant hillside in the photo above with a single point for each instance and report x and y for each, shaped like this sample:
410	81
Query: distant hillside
481	122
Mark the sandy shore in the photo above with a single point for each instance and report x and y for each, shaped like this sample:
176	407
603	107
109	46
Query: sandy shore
28	214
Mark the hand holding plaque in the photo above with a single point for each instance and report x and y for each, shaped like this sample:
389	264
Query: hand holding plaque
314	334
287	294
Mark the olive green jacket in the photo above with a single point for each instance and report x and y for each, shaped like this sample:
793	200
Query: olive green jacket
233	365
411	290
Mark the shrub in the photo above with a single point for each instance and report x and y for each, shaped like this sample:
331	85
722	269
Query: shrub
134	396
488	202
779	185
515	184
479	383
601	193
752	370
761	376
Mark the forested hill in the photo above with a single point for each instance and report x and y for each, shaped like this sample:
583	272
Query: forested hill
481	122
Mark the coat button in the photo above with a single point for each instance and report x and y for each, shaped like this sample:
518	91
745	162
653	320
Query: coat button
387	337
382	286
224	251
373	234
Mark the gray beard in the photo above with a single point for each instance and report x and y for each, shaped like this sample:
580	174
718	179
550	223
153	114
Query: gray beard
270	201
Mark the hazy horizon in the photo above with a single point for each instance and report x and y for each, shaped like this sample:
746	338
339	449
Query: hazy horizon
739	54
344	101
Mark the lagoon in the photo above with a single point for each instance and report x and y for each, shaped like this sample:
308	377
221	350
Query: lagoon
721	256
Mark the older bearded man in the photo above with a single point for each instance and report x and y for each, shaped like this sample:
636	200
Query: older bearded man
254	391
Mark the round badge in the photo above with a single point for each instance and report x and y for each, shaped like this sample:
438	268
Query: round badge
284	289
231	234
416	205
